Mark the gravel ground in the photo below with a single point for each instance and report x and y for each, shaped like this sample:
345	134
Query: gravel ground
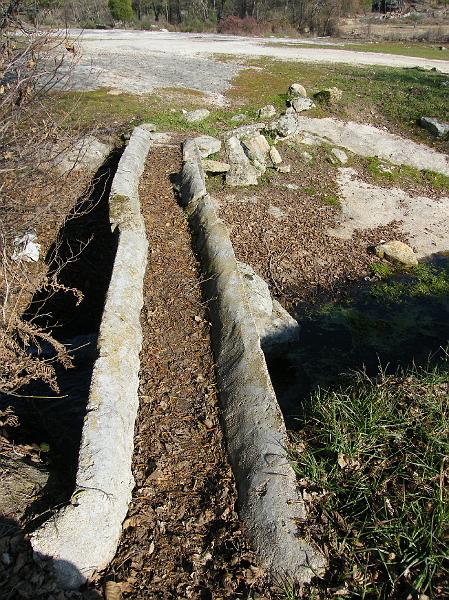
140	61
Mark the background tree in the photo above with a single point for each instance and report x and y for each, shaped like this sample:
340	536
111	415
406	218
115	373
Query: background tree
121	10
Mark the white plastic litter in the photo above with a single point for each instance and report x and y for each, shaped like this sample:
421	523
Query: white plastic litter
26	248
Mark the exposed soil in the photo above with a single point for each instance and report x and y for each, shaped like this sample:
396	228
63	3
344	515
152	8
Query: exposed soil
182	537
282	233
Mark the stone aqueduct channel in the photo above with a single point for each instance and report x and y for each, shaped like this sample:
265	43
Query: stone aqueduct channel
83	537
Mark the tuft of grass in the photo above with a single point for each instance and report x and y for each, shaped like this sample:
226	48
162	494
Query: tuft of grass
331	200
381	270
384	171
422	281
438	181
371	461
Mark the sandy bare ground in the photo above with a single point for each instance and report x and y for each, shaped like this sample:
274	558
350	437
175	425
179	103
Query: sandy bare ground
140	61
422	220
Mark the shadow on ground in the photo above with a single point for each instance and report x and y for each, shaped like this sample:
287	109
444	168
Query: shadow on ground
26	575
396	322
83	257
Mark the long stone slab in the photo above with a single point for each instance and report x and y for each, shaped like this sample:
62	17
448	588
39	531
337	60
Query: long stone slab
82	537
268	500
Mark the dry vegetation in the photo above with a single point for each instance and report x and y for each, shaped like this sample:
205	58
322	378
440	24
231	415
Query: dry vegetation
34	197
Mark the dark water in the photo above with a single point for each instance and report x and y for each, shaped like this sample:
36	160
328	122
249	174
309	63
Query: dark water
86	247
394	323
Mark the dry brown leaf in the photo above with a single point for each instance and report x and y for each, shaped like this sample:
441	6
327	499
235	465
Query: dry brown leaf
112	591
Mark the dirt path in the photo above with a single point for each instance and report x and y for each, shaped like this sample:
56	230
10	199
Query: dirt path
182	538
141	61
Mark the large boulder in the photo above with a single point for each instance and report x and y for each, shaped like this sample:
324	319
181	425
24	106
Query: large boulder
435	127
257	150
301	104
242	172
195	116
87	155
245	130
296	90
285	126
206	145
215	166
397	252
21	483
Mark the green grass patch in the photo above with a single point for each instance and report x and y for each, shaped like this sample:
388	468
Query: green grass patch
403	174
331	200
423	281
99	109
418	50
381	270
372	446
401	96
372	463
401	317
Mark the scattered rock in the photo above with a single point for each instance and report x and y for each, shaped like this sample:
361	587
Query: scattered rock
301	104
296	90
435	127
239	118
306	156
114	92
151	127
397	252
195	116
285	126
87	154
242	171
290	110
257	150
284	169
277	212
384	168
267	112
215	166
309	139
275	157
274	324
245	130
290	186
339	155
331	95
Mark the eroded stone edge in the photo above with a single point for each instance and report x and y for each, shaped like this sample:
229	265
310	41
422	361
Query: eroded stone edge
82	537
268	500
